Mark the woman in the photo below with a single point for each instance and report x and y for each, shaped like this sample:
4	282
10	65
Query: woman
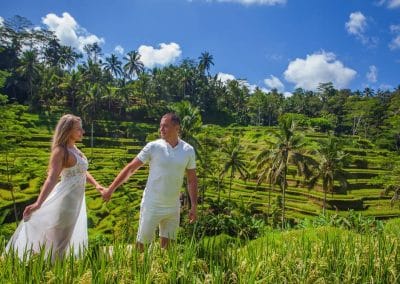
57	220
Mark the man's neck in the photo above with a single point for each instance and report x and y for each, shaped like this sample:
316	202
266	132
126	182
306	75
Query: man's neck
172	141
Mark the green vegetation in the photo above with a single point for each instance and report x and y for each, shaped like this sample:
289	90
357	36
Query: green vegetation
323	254
323	166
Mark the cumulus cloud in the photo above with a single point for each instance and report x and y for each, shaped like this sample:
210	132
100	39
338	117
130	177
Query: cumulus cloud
372	74
357	25
256	2
119	50
274	83
318	68
166	54
69	32
395	43
1	21
224	77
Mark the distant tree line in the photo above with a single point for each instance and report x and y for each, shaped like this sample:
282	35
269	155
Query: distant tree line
45	75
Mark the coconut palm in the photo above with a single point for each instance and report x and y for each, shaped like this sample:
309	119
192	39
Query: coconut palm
113	65
133	66
29	69
234	162
206	60
190	122
288	149
331	162
267	172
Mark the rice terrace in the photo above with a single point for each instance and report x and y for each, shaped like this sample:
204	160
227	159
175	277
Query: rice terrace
296	185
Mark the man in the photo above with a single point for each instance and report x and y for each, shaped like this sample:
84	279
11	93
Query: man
168	158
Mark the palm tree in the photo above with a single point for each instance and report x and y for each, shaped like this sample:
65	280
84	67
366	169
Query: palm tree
29	69
190	122
331	162
133	66
206	60
267	172
113	65
93	51
234	162
68	56
288	149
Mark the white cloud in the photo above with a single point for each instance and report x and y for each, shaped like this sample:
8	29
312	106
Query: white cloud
166	54
224	77
119	50
395	28
392	4
1	21
256	2
274	83
372	74
318	68
356	26
395	43
69	32
249	86
386	87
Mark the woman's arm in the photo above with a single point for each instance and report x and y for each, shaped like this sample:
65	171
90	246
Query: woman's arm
90	179
55	168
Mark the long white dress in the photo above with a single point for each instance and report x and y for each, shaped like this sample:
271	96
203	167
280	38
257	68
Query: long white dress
60	224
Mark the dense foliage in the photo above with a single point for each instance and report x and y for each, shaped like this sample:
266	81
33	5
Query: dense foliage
46	76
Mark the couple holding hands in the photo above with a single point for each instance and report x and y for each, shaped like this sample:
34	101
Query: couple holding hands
57	221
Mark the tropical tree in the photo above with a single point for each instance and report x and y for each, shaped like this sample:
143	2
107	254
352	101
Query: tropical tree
113	65
234	162
288	148
330	167
29	69
267	171
205	62
133	66
190	122
93	52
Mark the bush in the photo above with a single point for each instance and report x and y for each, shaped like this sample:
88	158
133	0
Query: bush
236	222
353	221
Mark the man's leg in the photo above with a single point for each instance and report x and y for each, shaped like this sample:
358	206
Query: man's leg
148	222
164	242
169	227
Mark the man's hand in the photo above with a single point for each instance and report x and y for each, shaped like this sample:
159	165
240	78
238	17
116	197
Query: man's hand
192	215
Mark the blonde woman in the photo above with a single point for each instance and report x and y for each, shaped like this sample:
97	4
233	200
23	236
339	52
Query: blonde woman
57	220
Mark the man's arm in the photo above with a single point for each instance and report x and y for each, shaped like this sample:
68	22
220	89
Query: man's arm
122	177
192	188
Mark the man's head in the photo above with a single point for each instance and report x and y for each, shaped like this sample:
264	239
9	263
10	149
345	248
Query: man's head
169	126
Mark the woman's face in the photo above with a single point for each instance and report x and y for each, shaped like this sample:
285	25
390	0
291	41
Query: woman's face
77	132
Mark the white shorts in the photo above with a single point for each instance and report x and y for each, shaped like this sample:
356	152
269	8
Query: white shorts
167	220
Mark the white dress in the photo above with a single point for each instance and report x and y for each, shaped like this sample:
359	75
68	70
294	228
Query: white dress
60	224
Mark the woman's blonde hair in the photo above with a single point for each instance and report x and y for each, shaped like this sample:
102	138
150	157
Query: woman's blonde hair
63	132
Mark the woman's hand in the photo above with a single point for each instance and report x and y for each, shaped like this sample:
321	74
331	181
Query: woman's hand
29	210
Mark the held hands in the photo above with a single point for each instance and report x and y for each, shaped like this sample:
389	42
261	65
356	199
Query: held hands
106	194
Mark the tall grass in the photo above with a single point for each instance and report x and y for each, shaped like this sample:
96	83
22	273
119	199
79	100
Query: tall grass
310	255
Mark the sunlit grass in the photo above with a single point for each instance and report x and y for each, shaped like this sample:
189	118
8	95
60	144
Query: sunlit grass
321	255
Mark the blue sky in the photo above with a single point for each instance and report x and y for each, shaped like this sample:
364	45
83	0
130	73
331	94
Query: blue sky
280	44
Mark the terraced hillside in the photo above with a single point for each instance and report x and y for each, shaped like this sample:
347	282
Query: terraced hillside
112	150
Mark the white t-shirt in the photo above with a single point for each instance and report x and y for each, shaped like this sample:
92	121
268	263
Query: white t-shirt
167	169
